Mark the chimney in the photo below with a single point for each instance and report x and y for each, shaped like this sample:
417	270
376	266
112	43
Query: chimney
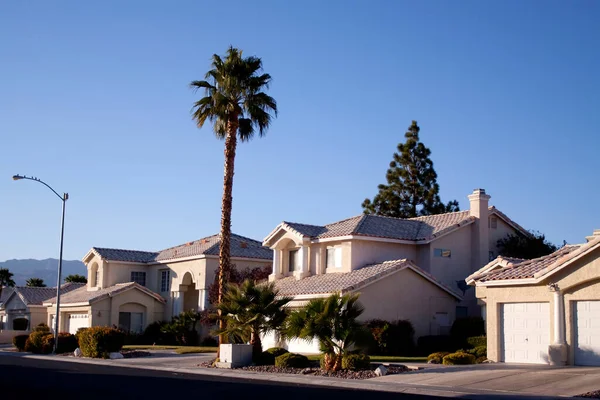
595	235
480	234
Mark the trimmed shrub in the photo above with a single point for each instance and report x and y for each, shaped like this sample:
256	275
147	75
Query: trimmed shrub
435	343
39	343
436	358
291	360
99	342
67	343
42	327
477	341
459	359
268	356
19	341
79	332
356	362
479	351
480	360
464	328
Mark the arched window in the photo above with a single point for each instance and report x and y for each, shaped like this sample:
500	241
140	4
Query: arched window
94	276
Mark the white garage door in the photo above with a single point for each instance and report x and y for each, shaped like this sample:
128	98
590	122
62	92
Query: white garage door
303	347
525	332
77	321
587	333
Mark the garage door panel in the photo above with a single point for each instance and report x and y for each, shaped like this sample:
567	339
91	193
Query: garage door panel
77	321
525	332
587	333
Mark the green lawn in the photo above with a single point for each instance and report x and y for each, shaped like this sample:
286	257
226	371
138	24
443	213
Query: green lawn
178	349
386	359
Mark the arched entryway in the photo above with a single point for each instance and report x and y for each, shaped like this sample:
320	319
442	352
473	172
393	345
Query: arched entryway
190	293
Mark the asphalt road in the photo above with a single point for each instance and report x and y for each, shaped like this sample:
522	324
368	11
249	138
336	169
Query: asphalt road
22	378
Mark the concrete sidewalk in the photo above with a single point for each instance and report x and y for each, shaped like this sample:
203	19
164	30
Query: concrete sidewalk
188	364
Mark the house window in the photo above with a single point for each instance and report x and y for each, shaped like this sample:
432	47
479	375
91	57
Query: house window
165	280
494	223
462	312
131	322
334	257
442	253
97	278
138	277
294	261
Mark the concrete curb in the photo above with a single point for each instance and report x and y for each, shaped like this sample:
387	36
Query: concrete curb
304	380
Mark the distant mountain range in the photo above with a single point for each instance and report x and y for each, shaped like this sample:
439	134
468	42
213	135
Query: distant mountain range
44	269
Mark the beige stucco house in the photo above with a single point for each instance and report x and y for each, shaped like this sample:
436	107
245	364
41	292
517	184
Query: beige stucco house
131	289
403	268
545	310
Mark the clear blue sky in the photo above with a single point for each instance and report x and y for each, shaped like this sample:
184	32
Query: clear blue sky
94	99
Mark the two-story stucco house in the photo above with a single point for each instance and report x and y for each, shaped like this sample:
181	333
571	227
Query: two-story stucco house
411	269
131	289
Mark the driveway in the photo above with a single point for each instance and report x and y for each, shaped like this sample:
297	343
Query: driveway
523	379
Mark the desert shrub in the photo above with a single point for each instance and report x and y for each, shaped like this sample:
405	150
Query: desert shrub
476	341
291	360
99	342
39	343
19	341
268	356
155	333
356	362
464	328
42	327
480	360
435	343
459	359
479	351
436	358
67	343
209	341
391	338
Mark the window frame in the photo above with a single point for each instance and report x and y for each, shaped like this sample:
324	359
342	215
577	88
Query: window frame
439	253
142	273
335	260
165	284
293	255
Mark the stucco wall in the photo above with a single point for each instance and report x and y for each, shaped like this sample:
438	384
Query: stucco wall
120	272
579	281
407	295
369	252
502	230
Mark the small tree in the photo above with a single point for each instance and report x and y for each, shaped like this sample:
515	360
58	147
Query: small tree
257	274
333	322
76	279
527	247
183	326
35	282
412	189
252	310
5	279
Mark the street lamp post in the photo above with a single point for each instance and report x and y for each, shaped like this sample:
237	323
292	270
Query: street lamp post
64	199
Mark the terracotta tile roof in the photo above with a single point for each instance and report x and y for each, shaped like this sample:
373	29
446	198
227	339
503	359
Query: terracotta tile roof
82	295
415	229
520	269
240	247
348	281
35	296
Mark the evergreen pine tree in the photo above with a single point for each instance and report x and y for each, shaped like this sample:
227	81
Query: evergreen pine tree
412	189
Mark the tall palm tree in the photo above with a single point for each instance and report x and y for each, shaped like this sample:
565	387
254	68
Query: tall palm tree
333	322
252	310
5	279
237	107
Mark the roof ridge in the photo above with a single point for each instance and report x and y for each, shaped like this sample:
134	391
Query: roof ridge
434	215
302	223
113	248
362	220
343	220
191	241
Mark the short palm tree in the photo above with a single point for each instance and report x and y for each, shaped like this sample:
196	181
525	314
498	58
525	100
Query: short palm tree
333	322
5	279
252	310
237	107
35	282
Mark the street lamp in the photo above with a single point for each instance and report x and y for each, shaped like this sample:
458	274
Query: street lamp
64	199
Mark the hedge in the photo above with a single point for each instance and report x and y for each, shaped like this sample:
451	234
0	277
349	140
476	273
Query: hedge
39	342
391	338
479	351
459	359
464	328
356	362
19	341
292	360
476	341
99	342
67	343
436	358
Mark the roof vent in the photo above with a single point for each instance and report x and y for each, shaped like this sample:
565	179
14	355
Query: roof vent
244	245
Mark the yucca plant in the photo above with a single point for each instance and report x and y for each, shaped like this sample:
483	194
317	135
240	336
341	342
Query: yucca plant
333	322
252	310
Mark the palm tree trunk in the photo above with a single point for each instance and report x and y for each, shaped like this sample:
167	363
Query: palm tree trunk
256	345
226	205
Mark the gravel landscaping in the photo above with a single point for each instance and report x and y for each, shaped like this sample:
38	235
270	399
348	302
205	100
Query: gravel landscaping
590	395
315	371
